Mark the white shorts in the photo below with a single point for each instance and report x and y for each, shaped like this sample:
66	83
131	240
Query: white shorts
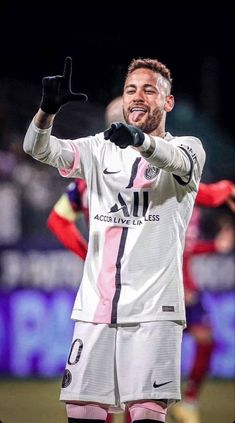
116	364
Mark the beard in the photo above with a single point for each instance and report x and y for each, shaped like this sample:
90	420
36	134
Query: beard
150	123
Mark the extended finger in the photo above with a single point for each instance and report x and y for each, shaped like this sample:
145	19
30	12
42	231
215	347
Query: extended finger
107	133
113	128
67	68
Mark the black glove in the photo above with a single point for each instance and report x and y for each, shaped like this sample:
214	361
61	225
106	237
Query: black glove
56	90
123	135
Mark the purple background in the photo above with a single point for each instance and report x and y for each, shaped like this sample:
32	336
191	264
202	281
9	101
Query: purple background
36	331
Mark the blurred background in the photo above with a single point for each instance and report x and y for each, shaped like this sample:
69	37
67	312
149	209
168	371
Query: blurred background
38	277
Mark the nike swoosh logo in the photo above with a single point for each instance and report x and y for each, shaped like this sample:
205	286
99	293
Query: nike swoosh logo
106	171
155	385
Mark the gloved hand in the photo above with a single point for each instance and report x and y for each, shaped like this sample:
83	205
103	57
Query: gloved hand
123	135
56	90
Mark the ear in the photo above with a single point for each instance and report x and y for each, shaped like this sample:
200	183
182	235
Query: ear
169	103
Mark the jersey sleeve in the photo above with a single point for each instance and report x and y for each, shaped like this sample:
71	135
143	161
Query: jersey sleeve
84	150
42	146
184	157
73	158
193	149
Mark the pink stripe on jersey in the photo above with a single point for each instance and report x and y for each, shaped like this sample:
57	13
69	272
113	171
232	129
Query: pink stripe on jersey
106	279
67	173
140	180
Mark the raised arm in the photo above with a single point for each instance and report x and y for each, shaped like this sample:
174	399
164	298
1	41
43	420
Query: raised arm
56	92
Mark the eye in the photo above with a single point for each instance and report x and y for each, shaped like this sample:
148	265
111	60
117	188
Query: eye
130	92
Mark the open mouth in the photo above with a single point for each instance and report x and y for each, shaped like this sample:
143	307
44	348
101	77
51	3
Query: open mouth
137	113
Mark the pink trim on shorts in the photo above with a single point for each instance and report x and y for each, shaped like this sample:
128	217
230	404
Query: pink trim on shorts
86	411
147	410
106	279
67	173
140	181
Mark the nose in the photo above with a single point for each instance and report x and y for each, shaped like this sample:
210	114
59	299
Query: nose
139	96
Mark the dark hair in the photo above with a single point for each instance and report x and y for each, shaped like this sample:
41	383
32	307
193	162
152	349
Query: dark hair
152	64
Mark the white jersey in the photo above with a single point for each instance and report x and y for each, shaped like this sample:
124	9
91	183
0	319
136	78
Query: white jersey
138	217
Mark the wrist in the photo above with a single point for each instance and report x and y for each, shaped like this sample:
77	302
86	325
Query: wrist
43	120
148	146
145	145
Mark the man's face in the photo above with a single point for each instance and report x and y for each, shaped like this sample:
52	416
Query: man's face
144	99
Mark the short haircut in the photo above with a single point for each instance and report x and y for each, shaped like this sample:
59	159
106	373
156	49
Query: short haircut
152	64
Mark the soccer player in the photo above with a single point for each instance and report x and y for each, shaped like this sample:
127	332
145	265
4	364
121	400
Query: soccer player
64	215
141	184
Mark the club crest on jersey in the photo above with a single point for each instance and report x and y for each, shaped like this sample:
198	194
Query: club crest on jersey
151	172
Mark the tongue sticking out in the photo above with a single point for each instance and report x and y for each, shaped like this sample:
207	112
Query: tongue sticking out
137	115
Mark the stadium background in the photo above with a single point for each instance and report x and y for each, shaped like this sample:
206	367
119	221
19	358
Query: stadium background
38	278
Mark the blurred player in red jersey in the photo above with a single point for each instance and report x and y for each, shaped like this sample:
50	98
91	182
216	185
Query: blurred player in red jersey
214	195
62	219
